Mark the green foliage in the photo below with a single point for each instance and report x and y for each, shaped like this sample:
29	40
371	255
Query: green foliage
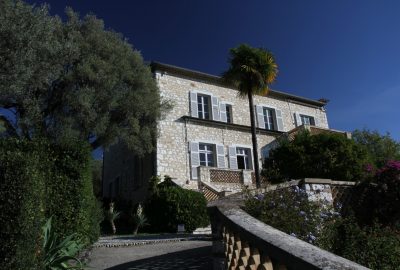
324	155
290	211
69	191
172	205
57	253
375	246
251	70
381	148
22	208
74	80
378	198
40	180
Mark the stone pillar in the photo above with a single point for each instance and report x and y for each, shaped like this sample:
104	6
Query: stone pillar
204	174
246	177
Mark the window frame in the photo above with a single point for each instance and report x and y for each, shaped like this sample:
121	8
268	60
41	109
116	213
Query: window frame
201	106
272	117
206	152
248	164
310	119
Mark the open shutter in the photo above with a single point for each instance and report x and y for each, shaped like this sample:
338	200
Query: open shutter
232	158
316	122
279	119
297	119
215	108
260	116
222	112
220	156
194	158
193	105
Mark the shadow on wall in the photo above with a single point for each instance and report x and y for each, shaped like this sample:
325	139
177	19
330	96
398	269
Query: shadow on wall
193	259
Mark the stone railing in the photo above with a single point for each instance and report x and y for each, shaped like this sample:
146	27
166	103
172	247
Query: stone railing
243	242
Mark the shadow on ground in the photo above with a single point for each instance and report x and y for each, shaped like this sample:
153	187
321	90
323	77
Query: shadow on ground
193	259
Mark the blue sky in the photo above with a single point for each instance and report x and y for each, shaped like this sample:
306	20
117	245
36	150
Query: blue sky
345	51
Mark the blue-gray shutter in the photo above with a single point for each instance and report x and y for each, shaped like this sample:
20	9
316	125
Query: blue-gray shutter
220	156
279	119
194	112
260	116
194	158
232	157
222	112
215	108
297	119
316	121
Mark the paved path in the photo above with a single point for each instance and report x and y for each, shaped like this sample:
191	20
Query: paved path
191	254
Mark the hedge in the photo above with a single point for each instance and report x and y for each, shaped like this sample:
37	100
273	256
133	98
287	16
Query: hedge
21	204
39	180
172	205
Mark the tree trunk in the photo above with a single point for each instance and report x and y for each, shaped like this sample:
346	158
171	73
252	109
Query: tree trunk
254	140
135	229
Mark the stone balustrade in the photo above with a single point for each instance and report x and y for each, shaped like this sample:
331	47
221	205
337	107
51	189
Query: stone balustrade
243	242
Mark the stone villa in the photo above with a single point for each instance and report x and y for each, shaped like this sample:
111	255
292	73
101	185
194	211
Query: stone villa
204	142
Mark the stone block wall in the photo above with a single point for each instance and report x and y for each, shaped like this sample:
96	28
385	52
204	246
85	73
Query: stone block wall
173	157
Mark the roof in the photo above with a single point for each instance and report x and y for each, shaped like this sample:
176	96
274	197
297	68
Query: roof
157	66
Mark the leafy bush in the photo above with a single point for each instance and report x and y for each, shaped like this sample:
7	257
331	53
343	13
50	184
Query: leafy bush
322	156
378	198
381	148
172	205
375	246
58	253
290	211
22	206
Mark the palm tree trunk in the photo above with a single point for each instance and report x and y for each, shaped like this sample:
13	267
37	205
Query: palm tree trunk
254	140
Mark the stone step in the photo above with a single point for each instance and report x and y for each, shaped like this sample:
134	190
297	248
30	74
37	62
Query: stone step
205	230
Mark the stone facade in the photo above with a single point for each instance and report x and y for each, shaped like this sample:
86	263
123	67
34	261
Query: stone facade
179	127
183	130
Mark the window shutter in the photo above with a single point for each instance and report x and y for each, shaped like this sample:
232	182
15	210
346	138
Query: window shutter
220	156
316	122
297	119
193	105
279	120
194	158
260	116
232	158
215	108
222	112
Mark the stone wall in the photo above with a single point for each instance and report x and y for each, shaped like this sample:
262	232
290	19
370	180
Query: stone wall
173	157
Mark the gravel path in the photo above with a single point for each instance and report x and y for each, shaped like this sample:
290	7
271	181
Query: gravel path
194	255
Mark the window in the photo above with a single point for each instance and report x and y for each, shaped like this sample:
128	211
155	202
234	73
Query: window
307	120
206	154
269	118
228	113
243	156
203	106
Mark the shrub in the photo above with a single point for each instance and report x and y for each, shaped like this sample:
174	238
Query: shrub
290	211
378	198
375	246
172	205
322	156
21	204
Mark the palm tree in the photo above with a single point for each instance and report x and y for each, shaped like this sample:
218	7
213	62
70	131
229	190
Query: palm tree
251	71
